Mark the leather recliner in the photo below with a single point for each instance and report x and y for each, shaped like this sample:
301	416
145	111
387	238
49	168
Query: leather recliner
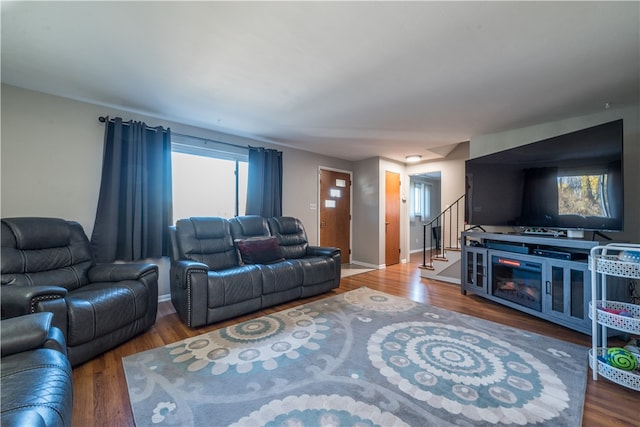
48	265
37	381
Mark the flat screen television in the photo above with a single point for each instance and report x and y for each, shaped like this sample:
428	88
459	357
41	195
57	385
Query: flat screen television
572	181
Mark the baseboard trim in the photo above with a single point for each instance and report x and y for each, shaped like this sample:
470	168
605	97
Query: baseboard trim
367	265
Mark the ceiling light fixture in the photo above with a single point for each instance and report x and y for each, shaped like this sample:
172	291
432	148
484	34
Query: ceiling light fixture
413	158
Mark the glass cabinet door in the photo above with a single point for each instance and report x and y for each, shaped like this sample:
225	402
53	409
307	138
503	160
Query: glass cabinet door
476	270
568	289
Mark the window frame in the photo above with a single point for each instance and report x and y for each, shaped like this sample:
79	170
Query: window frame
191	145
421	198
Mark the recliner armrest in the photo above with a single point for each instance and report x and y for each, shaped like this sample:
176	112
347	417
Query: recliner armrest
322	251
181	268
21	418
21	300
30	332
117	272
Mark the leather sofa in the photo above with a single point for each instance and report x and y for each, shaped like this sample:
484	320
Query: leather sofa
223	268
48	265
37	382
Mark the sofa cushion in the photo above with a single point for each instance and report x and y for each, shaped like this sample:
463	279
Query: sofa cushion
44	251
233	285
259	250
40	382
244	227
317	269
101	308
281	276
31	233
291	235
206	240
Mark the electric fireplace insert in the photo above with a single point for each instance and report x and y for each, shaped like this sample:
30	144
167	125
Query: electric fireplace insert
517	281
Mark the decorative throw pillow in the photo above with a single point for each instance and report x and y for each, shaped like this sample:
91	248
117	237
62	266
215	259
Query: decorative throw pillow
259	250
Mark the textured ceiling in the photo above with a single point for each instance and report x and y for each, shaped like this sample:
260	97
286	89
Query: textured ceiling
348	79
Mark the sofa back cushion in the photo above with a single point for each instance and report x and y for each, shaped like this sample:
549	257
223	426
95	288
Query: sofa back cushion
291	236
207	240
45	251
248	226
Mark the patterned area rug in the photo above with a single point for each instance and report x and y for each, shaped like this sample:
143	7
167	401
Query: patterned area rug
362	358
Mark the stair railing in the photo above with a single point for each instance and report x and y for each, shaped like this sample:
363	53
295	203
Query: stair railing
444	228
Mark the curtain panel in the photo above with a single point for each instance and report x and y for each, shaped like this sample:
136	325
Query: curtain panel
135	202
264	186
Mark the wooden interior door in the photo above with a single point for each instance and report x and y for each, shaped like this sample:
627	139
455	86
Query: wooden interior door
392	218
335	211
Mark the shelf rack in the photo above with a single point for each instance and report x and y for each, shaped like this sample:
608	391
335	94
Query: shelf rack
616	260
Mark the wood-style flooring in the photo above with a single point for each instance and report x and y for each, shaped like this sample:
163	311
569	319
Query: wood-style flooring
100	391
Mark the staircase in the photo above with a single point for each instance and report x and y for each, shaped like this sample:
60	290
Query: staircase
441	250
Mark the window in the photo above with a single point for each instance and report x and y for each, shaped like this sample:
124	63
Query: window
209	178
417	199
421	200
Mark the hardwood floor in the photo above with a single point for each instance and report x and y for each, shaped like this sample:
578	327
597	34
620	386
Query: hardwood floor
100	391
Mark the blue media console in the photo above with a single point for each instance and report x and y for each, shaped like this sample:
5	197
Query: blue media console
545	276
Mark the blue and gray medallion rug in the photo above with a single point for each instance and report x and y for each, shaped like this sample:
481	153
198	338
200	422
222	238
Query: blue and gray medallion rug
362	358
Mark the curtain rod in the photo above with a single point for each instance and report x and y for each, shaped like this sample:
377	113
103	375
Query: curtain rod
103	119
210	140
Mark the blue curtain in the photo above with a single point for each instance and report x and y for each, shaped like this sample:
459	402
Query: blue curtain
264	186
135	202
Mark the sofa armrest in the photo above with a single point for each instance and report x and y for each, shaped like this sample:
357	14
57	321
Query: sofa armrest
21	418
30	332
322	251
189	291
117	272
21	300
181	269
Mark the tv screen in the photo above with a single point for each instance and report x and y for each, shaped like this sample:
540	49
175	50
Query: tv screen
571	181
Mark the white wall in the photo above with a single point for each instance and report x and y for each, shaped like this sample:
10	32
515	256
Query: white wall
51	156
451	170
369	201
51	159
416	224
366	213
301	186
